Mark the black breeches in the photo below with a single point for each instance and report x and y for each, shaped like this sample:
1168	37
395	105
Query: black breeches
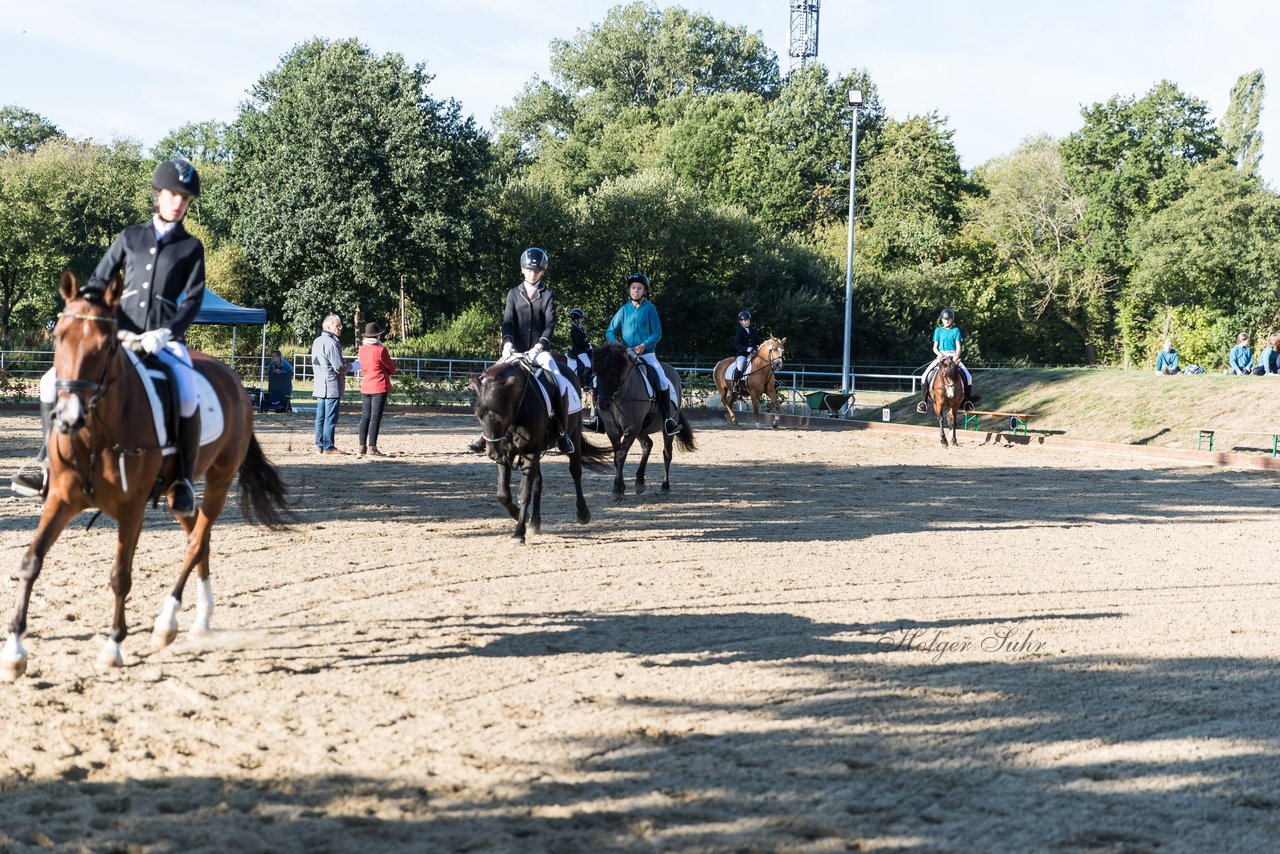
371	417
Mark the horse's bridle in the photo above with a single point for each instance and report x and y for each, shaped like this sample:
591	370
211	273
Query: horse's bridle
98	389
519	404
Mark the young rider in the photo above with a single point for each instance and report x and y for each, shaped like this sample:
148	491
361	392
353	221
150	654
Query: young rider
579	352
636	324
528	322
745	342
163	289
946	342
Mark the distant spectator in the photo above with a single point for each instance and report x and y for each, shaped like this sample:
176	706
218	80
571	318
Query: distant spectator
330	373
1240	362
376	369
1167	359
279	384
1268	357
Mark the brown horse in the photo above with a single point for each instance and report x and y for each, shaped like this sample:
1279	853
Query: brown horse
947	392
761	380
104	453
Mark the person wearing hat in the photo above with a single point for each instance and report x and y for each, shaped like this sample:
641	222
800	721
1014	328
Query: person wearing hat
163	269
376	369
528	323
946	342
745	342
636	325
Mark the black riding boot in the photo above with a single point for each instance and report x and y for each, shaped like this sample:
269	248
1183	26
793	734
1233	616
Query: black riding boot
969	396
564	444
182	496
478	445
32	479
669	425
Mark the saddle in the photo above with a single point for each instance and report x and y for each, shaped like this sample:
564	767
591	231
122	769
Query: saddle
162	393
651	373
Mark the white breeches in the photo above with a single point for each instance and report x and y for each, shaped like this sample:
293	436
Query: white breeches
934	364
652	359
584	360
174	354
740	368
545	360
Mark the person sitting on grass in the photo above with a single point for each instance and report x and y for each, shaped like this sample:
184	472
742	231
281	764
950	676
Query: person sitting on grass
1269	356
1240	361
1167	359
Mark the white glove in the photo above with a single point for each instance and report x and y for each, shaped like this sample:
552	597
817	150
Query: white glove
507	347
153	342
132	340
538	348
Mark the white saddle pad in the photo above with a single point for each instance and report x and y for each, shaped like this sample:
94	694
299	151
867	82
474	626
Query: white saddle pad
209	406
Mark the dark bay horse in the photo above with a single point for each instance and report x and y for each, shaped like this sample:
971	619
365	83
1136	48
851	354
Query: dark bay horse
103	453
517	429
627	413
762	380
947	392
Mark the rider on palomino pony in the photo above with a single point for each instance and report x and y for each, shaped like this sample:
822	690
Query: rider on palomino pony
946	342
163	289
528	322
636	324
745	343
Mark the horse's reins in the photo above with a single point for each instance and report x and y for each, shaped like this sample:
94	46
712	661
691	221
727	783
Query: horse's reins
99	390
524	389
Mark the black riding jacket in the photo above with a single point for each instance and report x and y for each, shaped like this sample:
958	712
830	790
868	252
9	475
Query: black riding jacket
745	340
525	321
163	282
578	343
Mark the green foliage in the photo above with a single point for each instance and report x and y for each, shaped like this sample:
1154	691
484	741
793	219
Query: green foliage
473	334
1202	336
1239	127
22	131
346	175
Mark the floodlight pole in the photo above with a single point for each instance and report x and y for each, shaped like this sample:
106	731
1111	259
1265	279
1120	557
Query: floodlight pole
846	386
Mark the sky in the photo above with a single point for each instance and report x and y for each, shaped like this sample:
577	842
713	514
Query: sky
999	70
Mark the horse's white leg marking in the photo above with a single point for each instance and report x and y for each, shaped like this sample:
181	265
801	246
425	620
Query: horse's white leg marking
13	659
166	624
204	607
111	655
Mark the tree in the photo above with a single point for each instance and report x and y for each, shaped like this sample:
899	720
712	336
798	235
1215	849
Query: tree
345	175
1239	127
23	131
1031	217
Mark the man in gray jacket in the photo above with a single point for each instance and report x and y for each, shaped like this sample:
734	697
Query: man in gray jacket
329	370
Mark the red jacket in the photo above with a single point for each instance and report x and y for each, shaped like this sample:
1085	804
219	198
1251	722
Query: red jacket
376	369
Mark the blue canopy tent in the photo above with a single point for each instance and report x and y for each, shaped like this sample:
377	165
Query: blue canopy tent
215	310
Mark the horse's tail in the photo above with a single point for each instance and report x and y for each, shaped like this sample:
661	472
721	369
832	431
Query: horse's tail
685	437
262	492
595	457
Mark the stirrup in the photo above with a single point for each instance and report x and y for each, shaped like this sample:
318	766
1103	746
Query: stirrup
182	498
564	444
968	406
671	427
31	480
922	407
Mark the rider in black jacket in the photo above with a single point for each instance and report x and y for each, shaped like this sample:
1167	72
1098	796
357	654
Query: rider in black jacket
745	343
163	288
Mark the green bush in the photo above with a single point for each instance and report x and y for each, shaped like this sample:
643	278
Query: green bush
473	334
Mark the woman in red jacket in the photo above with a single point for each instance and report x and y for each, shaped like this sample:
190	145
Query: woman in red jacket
376	369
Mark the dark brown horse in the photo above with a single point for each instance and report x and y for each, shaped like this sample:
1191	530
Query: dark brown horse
947	392
103	453
517	429
627	413
761	380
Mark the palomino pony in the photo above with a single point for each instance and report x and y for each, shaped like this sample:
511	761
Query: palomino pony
947	392
515	424
627	413
103	453
762	380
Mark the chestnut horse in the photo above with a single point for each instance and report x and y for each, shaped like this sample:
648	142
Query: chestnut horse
103	453
761	380
517	429
947	392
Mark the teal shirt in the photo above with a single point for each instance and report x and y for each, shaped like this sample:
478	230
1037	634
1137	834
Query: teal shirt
637	325
947	339
1242	358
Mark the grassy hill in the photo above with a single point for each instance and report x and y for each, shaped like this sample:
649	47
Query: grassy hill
1132	407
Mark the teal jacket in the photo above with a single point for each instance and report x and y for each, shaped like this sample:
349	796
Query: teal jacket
638	325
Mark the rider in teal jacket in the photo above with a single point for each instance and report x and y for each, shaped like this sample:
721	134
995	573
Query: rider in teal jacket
638	324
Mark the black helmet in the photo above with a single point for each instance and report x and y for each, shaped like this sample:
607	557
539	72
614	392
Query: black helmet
177	176
947	314
641	278
576	314
744	315
533	259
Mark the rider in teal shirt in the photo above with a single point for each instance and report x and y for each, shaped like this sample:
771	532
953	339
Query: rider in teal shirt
636	324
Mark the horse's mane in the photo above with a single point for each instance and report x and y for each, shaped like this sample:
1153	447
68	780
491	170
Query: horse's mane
492	392
609	362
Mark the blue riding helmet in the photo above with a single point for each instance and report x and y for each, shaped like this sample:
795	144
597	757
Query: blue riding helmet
744	315
947	314
576	314
533	258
